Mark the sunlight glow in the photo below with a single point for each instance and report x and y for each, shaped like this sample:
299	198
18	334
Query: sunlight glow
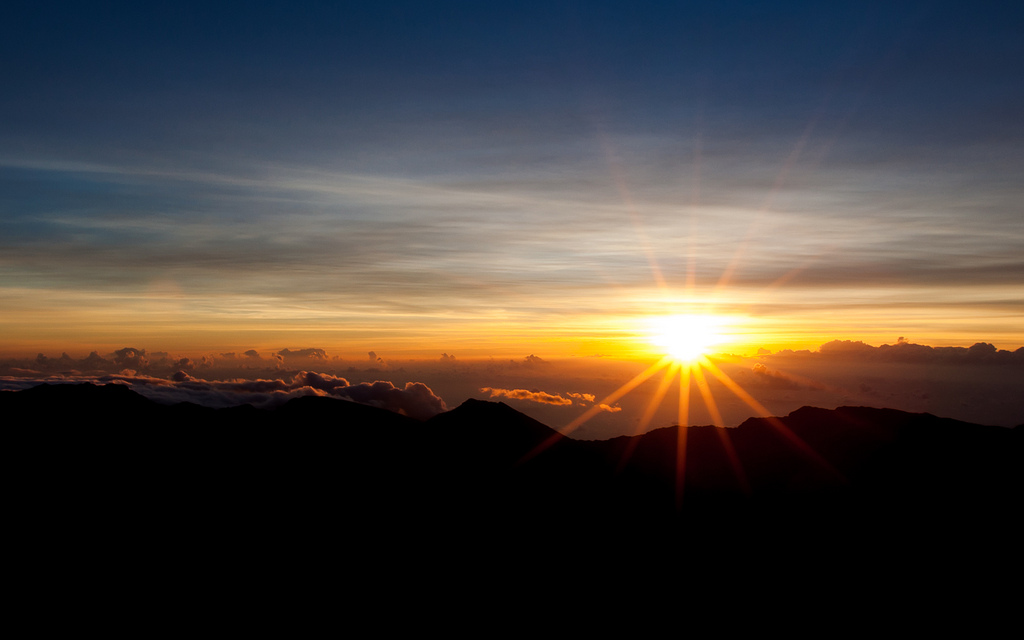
686	337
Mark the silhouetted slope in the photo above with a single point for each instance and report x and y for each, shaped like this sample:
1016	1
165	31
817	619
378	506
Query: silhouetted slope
876	460
494	426
492	438
328	478
501	468
850	450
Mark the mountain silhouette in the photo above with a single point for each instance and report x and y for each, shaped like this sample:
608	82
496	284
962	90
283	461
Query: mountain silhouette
101	471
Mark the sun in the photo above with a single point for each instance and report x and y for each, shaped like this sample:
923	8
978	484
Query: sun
686	342
685	338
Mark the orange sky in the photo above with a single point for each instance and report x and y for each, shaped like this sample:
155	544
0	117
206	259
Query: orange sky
80	322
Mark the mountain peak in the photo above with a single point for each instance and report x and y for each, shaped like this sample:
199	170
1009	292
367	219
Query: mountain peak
487	423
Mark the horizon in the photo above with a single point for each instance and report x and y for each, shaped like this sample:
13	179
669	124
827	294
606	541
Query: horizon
590	398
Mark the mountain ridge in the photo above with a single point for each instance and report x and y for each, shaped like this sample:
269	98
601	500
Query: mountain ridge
112	479
812	448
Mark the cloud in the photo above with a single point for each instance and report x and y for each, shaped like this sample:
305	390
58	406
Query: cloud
909	352
586	397
531	396
541	397
188	364
530	361
17	371
609	408
129	357
762	377
312	354
980	383
155	363
414	399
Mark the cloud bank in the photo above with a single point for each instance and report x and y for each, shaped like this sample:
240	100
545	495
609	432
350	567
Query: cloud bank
414	399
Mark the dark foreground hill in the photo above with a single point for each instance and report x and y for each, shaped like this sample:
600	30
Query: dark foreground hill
106	480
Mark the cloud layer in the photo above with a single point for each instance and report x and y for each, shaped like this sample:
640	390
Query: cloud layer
414	399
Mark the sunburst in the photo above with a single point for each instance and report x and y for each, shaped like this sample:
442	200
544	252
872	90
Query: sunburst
688	341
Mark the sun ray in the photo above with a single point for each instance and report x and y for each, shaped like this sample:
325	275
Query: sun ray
684	395
658	396
811	382
596	408
618	393
783	430
619	179
705	392
789	275
681	433
648	415
687	338
716	418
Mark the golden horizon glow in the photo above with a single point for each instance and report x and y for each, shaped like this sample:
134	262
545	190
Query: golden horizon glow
86	320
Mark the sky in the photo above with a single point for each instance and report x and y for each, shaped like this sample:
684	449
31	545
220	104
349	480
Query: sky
504	180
